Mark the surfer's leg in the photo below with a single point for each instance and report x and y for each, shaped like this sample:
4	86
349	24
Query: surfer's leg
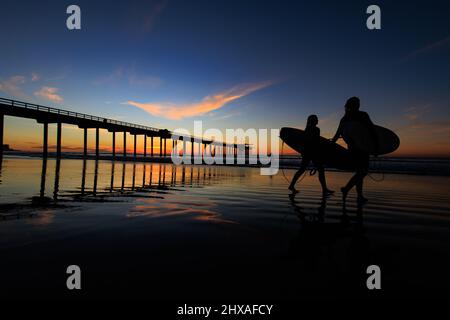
298	174
323	181
354	180
350	184
359	190
362	173
361	160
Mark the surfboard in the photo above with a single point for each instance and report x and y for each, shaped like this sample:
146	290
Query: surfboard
331	154
359	135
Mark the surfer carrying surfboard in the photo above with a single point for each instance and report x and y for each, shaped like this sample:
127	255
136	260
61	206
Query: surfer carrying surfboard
311	153
354	118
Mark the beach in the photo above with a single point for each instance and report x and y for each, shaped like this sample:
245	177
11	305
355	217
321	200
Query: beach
159	231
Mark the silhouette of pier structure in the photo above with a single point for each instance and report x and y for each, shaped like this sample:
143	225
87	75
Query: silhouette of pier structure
46	115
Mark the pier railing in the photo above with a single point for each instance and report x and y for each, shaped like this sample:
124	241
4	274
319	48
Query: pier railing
32	106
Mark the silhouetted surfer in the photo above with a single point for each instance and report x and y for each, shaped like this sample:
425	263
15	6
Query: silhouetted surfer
311	153
360	157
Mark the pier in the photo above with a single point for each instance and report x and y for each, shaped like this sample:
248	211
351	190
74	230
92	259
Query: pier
45	115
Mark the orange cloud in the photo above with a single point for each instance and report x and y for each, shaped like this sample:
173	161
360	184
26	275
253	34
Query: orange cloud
207	104
12	86
49	93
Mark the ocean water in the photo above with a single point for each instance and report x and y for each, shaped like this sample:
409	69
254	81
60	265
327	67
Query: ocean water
418	166
203	231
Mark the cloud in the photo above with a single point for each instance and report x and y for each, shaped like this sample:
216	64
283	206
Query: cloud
121	74
142	17
152	15
111	78
422	132
35	77
428	127
428	48
228	115
49	93
12	86
207	104
148	81
416	121
413	114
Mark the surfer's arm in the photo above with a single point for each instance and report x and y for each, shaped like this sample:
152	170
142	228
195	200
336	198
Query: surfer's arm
338	133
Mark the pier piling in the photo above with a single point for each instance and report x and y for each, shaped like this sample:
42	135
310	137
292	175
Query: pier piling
114	144
45	140
2	121
85	143
134	149
151	146
124	144
97	142
58	139
165	145
145	146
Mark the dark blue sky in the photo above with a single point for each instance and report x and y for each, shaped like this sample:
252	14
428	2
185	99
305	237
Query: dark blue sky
235	63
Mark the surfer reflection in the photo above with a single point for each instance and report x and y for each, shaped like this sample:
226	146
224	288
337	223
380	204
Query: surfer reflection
332	242
360	157
312	133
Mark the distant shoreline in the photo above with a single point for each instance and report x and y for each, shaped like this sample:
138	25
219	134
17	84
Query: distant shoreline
387	165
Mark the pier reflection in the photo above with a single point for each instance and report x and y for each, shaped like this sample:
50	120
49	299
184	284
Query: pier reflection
110	178
57	174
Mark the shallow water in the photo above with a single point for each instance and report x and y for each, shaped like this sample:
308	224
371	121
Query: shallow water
218	187
185	222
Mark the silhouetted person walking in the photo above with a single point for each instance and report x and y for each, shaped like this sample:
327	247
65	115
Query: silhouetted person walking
311	153
360	157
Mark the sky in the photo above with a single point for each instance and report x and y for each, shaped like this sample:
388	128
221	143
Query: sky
232	64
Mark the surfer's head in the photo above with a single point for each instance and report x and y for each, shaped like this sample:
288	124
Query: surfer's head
312	121
352	104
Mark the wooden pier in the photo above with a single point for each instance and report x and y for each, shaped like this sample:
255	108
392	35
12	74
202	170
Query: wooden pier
45	115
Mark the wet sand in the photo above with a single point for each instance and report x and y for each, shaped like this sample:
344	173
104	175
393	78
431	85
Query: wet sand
155	231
